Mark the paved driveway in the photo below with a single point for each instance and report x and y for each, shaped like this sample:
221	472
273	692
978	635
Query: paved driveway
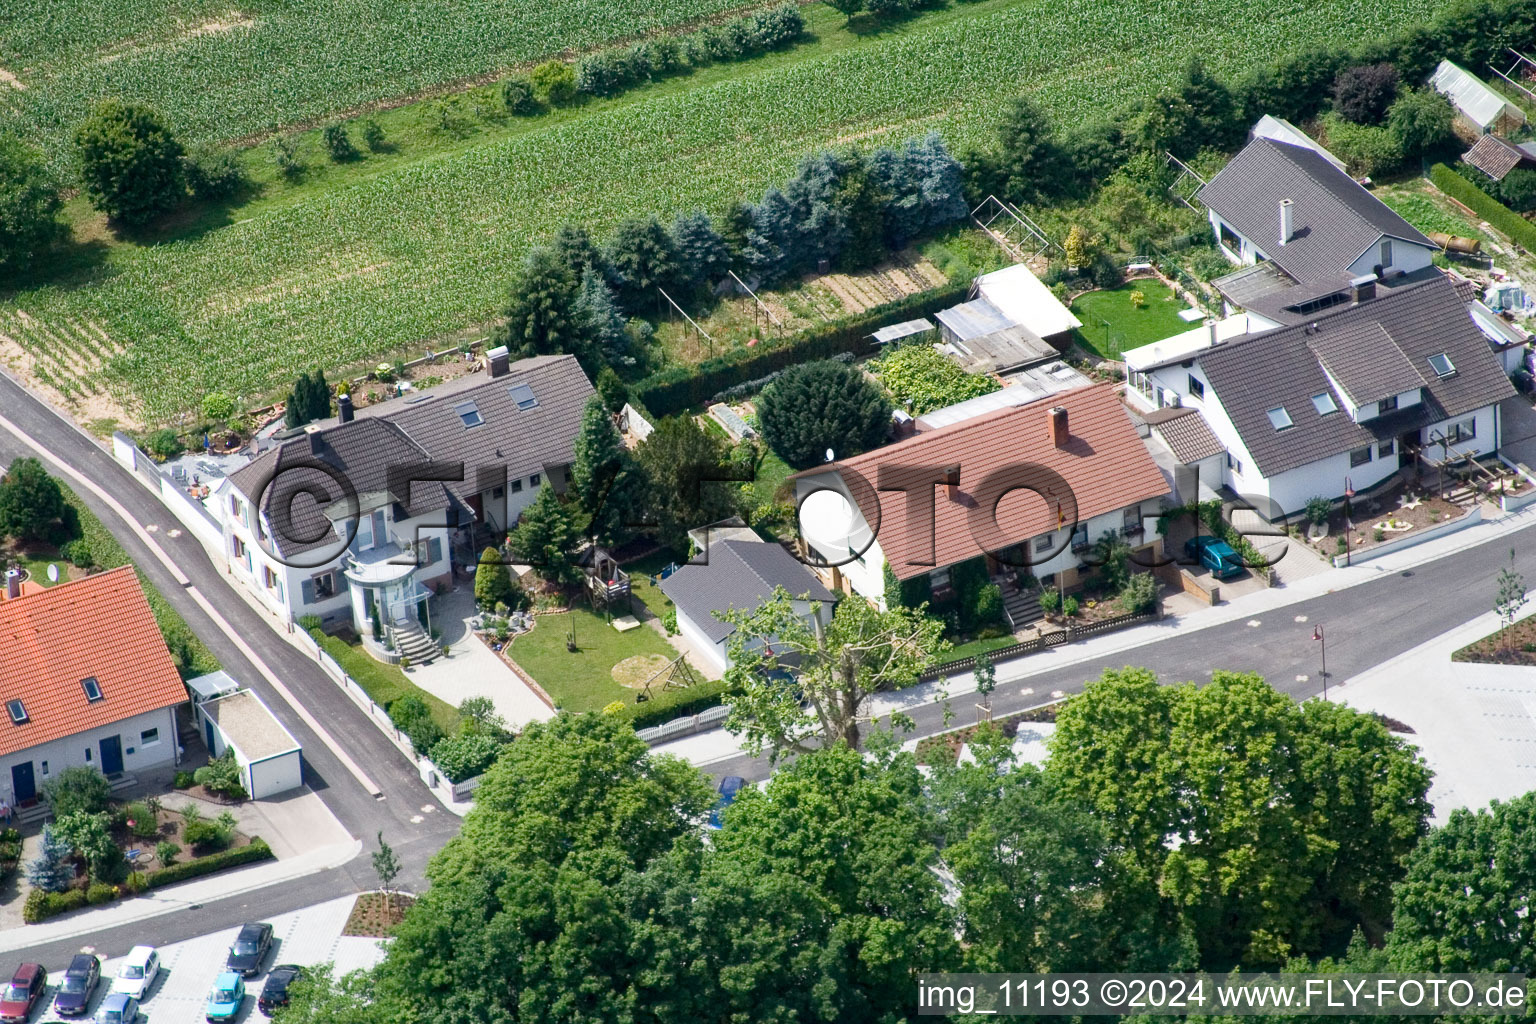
1517	423
306	937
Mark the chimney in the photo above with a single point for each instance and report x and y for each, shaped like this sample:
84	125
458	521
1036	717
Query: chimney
497	361
316	443
12	584
344	408
1059	433
1285	220
1364	287
952	480
1210	324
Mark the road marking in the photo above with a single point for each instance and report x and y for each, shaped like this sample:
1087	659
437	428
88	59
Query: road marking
151	527
1254	622
1301	618
1027	691
212	612
1301	679
1058	693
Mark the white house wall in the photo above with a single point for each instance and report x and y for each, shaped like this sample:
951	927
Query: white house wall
1406	257
274	775
715	652
85	748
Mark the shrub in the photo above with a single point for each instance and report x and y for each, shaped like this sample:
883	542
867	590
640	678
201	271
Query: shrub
1105	272
373	136
554	82
42	904
143	820
130	162
1050	601
205	836
988	604
339	144
50	870
493	582
412	717
214	175
184	780
1139	595
218	406
821	405
136	882
29	203
669	621
166	851
164	444
77	553
1069	606
311	623
256	850
78	788
286	152
517	94
466	755
99	893
1363	94
1318	510
222	775
1379	535
1484	205
1367	149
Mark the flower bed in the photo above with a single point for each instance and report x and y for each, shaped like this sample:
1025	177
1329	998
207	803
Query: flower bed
377	914
1514	646
1392	521
945	747
42	904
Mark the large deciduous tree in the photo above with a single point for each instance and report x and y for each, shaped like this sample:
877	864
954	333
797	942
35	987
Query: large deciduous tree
131	163
32	504
29	201
1363	94
815	406
688	481
834	669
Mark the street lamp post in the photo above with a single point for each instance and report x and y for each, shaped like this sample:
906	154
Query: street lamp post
1318	635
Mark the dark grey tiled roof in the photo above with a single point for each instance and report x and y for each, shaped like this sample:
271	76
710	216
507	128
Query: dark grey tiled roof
739	575
366	461
1366	360
1258	372
524	440
1333	219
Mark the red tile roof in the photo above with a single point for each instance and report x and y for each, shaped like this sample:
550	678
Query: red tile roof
1104	463
99	626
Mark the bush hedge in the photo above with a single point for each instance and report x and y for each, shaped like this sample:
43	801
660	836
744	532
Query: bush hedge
677	388
672	704
257	850
42	904
1484	205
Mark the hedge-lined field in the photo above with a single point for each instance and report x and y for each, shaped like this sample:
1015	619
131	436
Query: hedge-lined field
222	70
425	249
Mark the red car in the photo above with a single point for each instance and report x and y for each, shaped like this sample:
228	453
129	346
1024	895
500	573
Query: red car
26	988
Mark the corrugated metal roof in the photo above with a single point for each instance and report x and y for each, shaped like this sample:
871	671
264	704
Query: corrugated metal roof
1494	157
1472	96
905	329
973	319
1024	299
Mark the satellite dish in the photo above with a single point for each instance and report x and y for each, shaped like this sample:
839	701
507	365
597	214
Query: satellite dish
829	454
53	573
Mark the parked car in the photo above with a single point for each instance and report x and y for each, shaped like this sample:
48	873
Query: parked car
136	974
275	992
117	1008
79	984
1216	555
729	787
26	988
226	997
250	949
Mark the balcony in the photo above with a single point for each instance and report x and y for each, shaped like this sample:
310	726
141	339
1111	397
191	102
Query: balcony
379	566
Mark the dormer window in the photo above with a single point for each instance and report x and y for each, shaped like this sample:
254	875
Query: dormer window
1387	405
1279	418
523	395
469	414
1442	365
1324	404
18	711
92	688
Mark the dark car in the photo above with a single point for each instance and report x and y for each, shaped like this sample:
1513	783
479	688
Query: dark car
729	787
1216	555
250	949
275	992
26	988
80	981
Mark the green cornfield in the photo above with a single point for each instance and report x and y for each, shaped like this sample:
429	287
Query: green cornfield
426	249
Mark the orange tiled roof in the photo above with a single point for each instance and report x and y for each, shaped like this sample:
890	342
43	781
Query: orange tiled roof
1105	463
49	641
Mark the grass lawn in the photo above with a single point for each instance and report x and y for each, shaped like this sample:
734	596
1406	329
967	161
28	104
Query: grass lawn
1128	327
584	681
386	683
1428	211
771	474
975	647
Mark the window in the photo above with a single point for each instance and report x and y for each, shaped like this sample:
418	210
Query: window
1043	543
87	753
1279	418
1463	431
238	546
269	577
1324	404
1080	537
469	414
498	493
1131	525
517	486
938	578
149	737
533	481
1360	456
321	587
18	711
1386	448
1196	387
1234	464
522	394
1442	365
1387	405
1229	238
92	689
45	767
1386	252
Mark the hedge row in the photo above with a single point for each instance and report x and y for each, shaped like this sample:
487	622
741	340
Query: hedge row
257	850
677	388
42	904
610	72
670	704
1484	205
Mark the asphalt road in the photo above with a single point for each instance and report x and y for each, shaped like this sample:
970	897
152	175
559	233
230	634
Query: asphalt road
409	816
1365	626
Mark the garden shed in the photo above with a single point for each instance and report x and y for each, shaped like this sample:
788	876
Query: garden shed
1479	109
270	759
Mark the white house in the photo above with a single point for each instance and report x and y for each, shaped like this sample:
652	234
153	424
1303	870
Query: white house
232	719
1340	402
1305	230
85	679
1029	486
738	574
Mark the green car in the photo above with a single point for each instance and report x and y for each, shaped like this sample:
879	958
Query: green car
1216	555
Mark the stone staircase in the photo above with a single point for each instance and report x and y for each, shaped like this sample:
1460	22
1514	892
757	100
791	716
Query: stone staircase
1021	607
414	642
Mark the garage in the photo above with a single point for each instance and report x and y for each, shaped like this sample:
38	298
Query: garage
270	759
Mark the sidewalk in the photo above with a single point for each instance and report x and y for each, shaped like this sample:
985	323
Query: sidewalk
708	747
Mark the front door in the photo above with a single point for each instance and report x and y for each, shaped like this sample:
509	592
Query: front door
1407	449
208	733
23	787
112	755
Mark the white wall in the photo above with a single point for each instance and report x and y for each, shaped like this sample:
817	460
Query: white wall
691	632
72	750
274	775
1406	256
